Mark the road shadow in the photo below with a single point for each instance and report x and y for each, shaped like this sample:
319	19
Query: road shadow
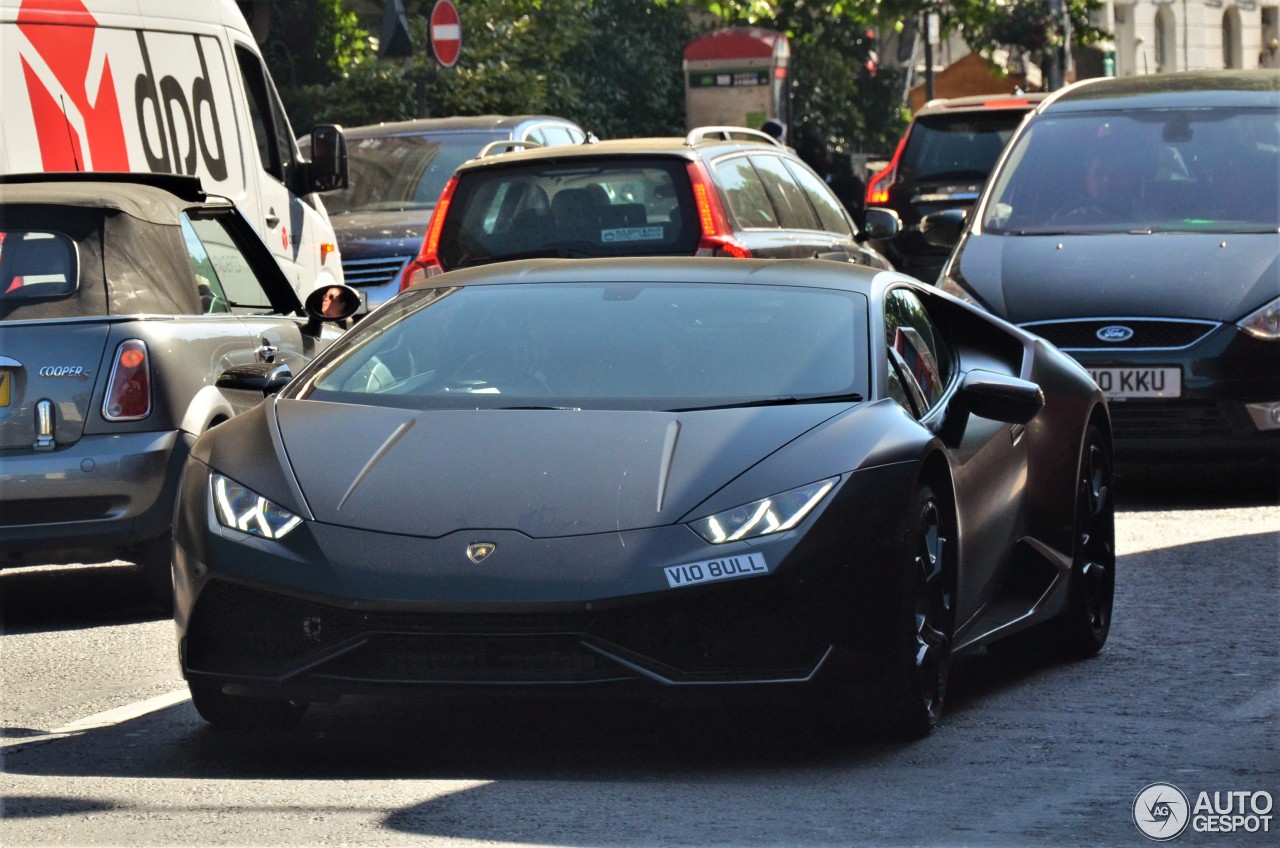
437	737
1195	485
71	597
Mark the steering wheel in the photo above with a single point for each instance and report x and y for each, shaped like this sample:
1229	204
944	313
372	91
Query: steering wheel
371	378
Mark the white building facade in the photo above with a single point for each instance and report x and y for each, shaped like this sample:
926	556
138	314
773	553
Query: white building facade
1159	36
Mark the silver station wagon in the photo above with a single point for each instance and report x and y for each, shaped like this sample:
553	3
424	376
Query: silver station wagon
123	299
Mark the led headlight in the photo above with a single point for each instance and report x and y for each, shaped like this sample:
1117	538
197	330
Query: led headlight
767	515
245	510
1265	323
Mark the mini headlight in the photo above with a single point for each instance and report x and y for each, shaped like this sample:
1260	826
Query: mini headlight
245	510
1264	323
767	515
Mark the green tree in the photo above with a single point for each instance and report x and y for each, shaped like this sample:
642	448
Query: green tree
1026	25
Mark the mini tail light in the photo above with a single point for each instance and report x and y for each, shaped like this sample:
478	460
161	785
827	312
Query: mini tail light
878	185
427	264
716	235
128	395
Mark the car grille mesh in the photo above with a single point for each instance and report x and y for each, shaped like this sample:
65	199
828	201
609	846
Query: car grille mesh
734	631
1139	420
373	272
1148	333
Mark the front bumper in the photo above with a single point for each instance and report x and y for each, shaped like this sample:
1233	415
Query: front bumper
1229	380
330	611
91	501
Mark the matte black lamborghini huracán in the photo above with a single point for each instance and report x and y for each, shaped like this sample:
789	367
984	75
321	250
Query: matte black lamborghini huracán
649	475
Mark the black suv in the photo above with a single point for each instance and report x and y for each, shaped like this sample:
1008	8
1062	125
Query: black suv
720	191
396	173
942	162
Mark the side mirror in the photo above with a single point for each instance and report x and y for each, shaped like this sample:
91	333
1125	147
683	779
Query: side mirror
265	377
998	397
333	302
328	168
879	223
943	228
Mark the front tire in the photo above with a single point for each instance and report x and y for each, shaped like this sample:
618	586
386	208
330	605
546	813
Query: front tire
1082	629
155	563
240	712
920	658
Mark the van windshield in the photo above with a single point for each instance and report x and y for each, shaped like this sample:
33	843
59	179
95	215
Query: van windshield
1167	170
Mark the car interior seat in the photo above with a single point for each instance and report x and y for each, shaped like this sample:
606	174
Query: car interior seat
576	215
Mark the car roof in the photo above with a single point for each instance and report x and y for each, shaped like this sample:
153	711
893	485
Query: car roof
1255	88
675	146
801	273
157	198
459	123
981	103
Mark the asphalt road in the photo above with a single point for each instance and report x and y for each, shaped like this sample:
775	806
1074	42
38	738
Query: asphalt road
100	747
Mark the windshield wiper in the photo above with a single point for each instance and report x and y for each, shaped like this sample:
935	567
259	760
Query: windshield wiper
782	400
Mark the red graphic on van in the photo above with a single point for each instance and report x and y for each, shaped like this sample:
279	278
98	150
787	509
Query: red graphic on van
78	124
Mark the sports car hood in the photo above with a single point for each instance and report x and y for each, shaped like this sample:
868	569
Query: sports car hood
403	228
545	473
1213	276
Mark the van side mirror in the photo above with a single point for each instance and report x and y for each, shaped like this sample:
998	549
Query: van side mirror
328	166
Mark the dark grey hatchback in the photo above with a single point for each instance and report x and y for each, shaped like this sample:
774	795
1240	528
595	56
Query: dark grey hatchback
125	300
1135	223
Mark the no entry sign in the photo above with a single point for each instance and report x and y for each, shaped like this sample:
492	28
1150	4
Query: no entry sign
446	33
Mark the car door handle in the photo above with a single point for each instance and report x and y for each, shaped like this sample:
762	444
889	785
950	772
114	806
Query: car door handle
273	220
267	351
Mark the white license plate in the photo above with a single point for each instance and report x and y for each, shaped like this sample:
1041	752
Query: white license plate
1138	382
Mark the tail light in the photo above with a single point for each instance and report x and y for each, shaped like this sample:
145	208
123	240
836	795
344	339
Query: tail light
128	395
878	185
717	236
427	264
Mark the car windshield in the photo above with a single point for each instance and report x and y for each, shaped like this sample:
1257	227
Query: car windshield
1167	170
398	172
601	345
961	146
620	207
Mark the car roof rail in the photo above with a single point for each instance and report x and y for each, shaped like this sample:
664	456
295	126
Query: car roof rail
729	134
506	145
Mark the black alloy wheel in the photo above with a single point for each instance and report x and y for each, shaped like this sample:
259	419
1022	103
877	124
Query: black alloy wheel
1087	620
239	712
917	688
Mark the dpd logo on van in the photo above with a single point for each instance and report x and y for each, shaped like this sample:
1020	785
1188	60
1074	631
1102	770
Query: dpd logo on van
77	122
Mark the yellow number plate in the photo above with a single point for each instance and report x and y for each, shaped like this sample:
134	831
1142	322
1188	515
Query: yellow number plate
6	381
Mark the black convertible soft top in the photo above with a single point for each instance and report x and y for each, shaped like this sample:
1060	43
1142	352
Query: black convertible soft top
129	253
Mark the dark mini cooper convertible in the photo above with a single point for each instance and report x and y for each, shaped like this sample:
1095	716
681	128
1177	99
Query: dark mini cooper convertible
646	476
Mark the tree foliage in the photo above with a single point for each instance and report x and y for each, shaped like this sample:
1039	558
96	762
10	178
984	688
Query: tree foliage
615	66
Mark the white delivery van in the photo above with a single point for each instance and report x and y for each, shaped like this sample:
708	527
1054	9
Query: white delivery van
167	87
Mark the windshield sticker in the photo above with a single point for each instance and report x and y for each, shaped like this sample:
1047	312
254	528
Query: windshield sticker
711	570
631	234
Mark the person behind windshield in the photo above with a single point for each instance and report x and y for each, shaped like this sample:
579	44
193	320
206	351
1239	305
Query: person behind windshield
1109	186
